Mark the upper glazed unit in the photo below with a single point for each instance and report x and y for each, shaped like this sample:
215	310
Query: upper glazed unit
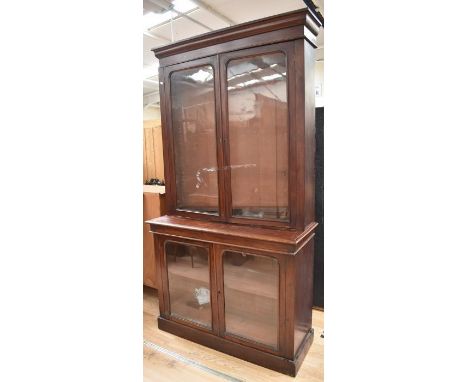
237	111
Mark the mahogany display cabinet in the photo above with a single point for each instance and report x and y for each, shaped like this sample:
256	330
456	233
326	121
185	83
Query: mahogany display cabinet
234	253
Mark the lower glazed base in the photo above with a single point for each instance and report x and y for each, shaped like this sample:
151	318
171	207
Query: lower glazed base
270	361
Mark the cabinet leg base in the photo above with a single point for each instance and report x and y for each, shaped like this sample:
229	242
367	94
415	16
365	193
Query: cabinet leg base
268	360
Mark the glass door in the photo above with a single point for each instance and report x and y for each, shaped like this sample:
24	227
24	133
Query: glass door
257	126
192	119
189	285
228	136
251	293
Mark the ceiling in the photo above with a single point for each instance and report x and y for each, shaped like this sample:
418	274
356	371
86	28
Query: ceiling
194	17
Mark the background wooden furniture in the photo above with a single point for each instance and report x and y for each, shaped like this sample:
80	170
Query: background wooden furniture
153	206
235	252
153	164
153	196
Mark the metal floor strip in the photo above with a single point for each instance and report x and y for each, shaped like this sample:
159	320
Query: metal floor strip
190	362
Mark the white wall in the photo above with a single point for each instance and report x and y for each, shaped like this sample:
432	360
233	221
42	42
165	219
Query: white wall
151	113
319	99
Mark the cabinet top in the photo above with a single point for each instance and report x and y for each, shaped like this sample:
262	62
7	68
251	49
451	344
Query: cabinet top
301	17
275	240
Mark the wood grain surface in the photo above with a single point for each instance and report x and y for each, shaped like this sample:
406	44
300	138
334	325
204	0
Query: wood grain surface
153	163
153	206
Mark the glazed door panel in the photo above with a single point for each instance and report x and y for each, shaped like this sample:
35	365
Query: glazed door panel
193	122
228	125
256	120
250	285
190	283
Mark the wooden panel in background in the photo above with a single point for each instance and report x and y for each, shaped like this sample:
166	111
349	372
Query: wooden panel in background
153	206
153	164
149	162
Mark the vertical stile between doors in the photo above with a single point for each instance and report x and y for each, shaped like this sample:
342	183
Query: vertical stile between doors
223	117
214	291
219	287
221	139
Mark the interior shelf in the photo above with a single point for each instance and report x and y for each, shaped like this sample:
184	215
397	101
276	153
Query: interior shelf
259	331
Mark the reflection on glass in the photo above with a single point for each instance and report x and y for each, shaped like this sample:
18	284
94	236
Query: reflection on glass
251	297
258	136
194	132
189	282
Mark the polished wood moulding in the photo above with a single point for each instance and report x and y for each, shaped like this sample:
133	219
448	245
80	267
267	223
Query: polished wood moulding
160	366
270	361
234	253
282	241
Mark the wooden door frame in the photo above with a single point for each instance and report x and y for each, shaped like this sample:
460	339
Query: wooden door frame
166	312
168	139
287	48
218	250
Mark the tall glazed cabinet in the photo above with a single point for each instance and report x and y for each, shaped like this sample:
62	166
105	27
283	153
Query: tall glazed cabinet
234	254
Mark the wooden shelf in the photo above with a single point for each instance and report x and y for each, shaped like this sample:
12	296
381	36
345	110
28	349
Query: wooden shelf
154	189
251	282
254	330
180	308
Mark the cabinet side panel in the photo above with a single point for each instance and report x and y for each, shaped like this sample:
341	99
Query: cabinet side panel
304	293
298	135
309	125
319	249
